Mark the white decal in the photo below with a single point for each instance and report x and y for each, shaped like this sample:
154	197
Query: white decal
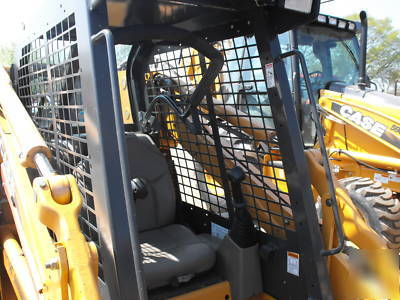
346	111
356	118
394	177
386	178
378	129
365	122
293	263
218	231
381	178
269	72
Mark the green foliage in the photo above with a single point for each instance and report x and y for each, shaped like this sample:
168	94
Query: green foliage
383	58
6	55
122	53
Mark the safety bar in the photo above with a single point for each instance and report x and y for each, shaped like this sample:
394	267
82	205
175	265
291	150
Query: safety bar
175	36
119	124
325	160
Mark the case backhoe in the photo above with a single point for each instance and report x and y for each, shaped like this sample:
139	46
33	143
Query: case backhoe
360	123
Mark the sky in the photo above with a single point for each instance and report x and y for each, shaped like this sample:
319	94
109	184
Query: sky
12	13
379	9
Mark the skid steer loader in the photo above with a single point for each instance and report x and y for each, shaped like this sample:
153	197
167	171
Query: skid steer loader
145	230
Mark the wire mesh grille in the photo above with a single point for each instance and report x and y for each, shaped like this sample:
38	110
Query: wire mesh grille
49	87
237	129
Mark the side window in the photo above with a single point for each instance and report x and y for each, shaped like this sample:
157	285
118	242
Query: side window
313	65
344	62
122	53
284	41
313	62
252	96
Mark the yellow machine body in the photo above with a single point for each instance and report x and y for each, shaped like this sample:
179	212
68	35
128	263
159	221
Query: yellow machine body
367	132
125	102
60	266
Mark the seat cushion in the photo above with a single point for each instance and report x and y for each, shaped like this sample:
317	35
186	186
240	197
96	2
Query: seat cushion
173	254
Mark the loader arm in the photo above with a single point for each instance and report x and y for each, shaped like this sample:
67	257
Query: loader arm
61	265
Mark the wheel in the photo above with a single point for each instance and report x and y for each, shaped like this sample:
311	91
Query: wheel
379	207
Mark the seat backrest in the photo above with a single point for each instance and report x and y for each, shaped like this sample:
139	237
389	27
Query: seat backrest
146	162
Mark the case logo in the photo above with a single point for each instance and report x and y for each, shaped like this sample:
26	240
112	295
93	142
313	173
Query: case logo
365	122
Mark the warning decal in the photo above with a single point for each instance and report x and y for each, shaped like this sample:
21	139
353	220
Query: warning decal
293	263
269	72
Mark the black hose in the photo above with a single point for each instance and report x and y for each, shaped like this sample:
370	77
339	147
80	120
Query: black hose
159	99
360	162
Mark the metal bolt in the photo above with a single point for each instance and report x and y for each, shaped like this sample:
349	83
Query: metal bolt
42	183
43	289
329	202
52	264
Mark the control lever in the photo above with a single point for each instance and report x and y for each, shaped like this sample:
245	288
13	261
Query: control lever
243	232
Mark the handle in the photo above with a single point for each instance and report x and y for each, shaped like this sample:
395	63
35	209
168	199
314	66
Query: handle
325	160
112	66
168	35
242	232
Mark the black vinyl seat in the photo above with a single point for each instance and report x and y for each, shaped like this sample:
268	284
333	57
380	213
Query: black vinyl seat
171	252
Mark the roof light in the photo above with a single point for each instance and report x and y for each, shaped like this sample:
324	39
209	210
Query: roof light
321	18
342	24
332	21
303	6
352	26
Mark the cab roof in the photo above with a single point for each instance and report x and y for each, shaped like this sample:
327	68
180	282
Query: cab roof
207	16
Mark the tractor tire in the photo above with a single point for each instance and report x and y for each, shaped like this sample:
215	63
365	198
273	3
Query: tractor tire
379	207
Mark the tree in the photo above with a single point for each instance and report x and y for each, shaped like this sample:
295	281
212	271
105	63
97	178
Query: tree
6	55
383	58
122	53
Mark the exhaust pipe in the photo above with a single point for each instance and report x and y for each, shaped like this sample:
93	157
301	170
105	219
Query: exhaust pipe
362	81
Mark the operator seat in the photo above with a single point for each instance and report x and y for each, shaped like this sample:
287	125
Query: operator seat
171	252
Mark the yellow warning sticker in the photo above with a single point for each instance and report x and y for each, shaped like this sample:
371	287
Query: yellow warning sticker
293	263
